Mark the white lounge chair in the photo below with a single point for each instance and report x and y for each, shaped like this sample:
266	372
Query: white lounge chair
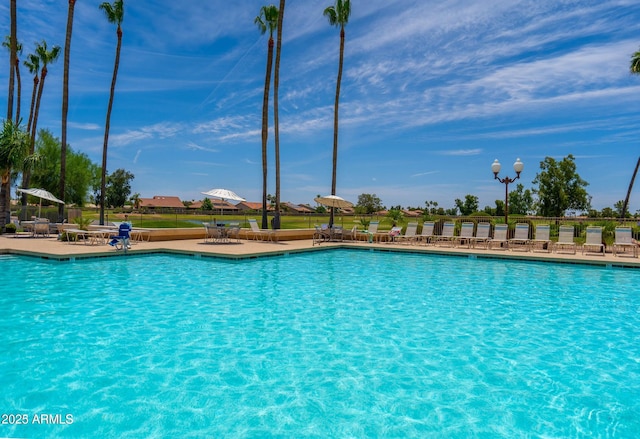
257	233
409	235
500	237
593	243
542	240
565	240
427	232
447	235
520	237
466	234
624	241
482	235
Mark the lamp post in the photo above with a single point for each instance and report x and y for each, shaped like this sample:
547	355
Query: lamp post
518	166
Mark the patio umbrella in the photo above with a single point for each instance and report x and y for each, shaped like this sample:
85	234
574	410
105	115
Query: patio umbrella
224	195
333	201
42	194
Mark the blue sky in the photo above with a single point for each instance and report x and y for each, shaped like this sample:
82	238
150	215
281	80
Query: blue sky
432	93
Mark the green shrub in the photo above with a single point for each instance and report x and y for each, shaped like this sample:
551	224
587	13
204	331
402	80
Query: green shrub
10	228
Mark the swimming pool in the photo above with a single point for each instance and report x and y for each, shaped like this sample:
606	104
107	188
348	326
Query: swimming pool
340	343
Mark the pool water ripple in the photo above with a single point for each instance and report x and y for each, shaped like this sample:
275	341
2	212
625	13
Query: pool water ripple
335	344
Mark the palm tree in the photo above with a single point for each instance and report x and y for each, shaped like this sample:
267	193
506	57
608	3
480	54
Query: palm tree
33	64
266	20
338	16
276	123
634	68
12	57
14	152
65	108
7	44
46	57
115	14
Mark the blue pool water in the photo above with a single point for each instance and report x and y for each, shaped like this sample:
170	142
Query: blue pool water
330	344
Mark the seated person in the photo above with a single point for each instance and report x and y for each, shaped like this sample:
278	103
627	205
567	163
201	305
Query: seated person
123	235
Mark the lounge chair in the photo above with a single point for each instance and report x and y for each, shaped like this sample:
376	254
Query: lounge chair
337	233
565	240
257	233
373	233
482	235
394	234
427	232
520	237
41	228
447	235
500	237
466	235
409	234
593	243
624	241
542	241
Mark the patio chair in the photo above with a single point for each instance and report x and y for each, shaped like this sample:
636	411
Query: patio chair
233	231
499	237
482	235
466	235
409	234
41	228
257	233
447	235
352	235
593	243
121	240
321	234
520	237
542	241
210	232
394	234
624	241
565	240
426	235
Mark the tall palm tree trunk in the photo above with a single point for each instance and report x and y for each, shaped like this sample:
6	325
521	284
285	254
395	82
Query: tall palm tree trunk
36	81
265	132
103	182
633	179
5	183
276	122
335	125
13	48
65	108
19	91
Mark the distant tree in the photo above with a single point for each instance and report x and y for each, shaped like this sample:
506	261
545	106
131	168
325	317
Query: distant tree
114	14
521	201
560	187
118	188
368	204
135	200
491	211
338	16
266	20
207	205
14	154
469	206
607	212
499	210
81	175
431	207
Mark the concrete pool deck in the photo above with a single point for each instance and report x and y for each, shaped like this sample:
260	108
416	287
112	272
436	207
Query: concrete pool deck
51	248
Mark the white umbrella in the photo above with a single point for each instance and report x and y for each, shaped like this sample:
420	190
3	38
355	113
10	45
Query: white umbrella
224	194
42	194
333	201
